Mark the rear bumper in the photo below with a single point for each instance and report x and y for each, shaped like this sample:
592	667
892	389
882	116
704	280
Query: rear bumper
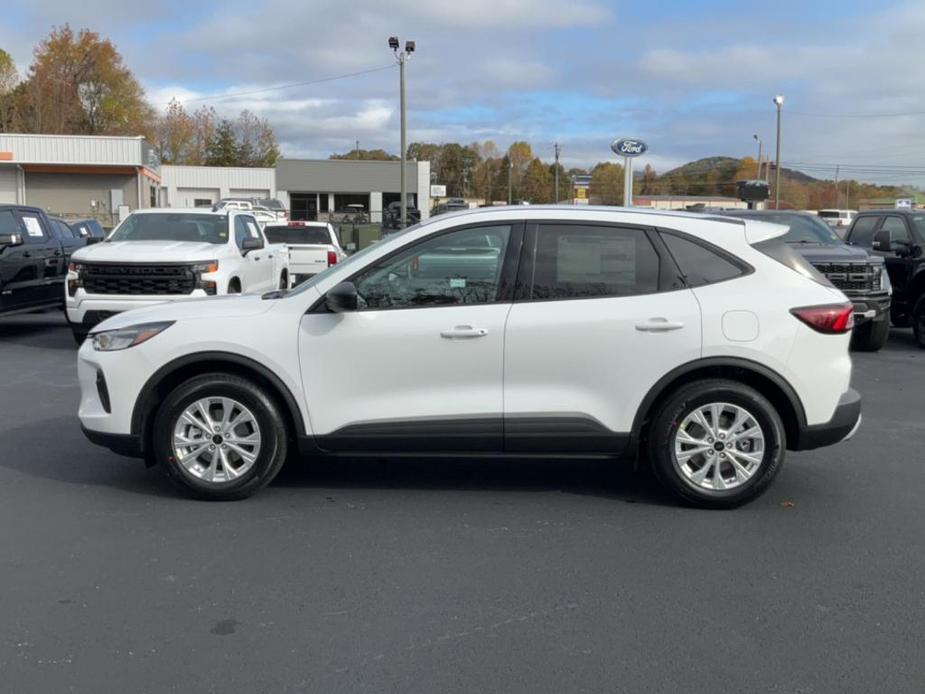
841	427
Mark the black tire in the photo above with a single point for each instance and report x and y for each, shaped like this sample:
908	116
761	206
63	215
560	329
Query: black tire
871	336
680	404
918	321
274	442
899	320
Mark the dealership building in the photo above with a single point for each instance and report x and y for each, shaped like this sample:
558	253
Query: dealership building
107	177
76	175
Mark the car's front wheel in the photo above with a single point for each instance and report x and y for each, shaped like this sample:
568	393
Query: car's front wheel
716	443
220	436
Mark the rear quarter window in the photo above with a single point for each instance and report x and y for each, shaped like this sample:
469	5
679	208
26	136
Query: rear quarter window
700	264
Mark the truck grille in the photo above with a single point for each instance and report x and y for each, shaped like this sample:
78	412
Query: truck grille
851	277
138	279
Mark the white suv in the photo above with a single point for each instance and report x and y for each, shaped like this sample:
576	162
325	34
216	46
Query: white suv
703	343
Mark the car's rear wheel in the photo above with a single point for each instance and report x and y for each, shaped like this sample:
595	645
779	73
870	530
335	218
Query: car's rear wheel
871	336
716	443
220	437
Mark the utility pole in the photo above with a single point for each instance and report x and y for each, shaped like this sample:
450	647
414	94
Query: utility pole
836	186
402	57
358	149
758	140
847	193
510	179
779	102
557	149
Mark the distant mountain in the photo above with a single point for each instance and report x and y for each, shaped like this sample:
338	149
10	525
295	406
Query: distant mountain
726	168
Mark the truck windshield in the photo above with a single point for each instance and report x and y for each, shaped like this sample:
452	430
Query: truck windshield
173	226
297	235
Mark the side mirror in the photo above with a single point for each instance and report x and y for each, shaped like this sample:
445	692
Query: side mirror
10	240
251	244
882	241
342	298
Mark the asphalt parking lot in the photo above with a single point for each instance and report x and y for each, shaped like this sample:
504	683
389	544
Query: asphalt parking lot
434	576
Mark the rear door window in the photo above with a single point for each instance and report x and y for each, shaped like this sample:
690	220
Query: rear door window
35	233
578	261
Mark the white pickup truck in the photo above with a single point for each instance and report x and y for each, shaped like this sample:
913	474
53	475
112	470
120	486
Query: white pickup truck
312	246
162	255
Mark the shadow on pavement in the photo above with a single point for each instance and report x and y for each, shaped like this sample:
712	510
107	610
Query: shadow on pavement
45	330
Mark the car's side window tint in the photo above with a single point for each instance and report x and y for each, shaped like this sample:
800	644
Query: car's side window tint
240	231
897	228
575	261
699	264
9	224
862	233
460	267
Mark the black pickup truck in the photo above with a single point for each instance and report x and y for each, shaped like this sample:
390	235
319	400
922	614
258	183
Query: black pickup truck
34	253
856	272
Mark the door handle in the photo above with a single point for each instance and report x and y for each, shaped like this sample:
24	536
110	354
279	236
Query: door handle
27	254
463	332
659	325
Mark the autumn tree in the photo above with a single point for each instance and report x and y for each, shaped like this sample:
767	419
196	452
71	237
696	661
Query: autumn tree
175	135
8	79
78	84
367	155
222	149
607	183
536	185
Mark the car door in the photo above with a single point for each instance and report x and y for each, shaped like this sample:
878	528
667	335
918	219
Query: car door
418	367
252	269
898	262
42	252
266	258
18	271
600	315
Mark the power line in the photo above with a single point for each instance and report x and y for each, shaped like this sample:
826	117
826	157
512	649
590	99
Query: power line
292	85
856	115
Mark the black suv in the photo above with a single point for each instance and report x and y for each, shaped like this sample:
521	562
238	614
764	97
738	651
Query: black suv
857	273
898	236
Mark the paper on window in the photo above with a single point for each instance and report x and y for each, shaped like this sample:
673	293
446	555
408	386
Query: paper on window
33	226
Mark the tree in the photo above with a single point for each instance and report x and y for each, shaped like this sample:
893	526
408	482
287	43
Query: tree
367	155
537	185
256	143
607	183
8	80
223	148
175	135
78	84
650	185
565	182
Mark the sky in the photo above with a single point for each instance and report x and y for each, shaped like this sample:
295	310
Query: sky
692	79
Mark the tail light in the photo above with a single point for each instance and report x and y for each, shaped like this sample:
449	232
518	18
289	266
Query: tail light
332	258
830	319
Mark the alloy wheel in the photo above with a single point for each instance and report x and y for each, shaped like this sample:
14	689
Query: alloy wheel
216	440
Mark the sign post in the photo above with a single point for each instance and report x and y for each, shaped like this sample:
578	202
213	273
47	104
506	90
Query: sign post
629	149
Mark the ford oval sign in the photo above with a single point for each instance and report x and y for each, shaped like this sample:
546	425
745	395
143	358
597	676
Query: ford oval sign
627	147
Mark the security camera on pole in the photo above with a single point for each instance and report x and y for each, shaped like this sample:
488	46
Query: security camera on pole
629	149
401	58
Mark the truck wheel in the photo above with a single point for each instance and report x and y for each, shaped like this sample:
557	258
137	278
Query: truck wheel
234	286
220	437
716	443
918	321
284	280
871	336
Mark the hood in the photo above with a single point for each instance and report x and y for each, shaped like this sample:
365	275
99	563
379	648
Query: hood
194	309
819	253
149	252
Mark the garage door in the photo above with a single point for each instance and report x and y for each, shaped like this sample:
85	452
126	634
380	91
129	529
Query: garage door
248	193
8	185
196	197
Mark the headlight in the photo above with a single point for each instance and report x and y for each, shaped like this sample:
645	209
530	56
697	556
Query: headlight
123	338
885	284
206	267
75	267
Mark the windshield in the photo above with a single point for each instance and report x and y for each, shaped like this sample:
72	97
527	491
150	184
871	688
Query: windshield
297	235
173	226
349	262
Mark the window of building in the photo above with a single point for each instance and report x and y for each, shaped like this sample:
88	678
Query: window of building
699	264
460	267
202	202
576	261
342	200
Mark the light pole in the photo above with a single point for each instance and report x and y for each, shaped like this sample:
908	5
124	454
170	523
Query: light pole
401	58
510	180
758	140
779	102
558	149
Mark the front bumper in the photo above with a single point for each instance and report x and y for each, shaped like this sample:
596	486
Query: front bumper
87	310
870	308
842	426
123	444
